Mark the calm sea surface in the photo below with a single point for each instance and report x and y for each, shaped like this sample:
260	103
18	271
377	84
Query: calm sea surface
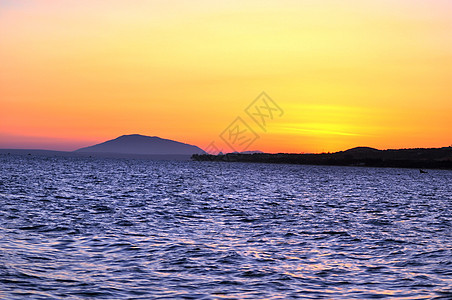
82	228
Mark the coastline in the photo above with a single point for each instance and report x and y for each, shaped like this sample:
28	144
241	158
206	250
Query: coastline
419	158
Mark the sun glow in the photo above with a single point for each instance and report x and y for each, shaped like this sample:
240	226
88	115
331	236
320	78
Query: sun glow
374	73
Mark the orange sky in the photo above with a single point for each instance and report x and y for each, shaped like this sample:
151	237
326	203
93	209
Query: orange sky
345	73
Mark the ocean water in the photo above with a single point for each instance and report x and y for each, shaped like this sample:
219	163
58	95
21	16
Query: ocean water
85	228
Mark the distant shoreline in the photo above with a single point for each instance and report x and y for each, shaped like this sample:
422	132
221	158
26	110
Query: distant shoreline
420	158
54	153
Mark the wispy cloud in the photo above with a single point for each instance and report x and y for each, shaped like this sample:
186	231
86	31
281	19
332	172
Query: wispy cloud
316	129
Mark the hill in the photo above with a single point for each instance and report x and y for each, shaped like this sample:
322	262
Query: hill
142	145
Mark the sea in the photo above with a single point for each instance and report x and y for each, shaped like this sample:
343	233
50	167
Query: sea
107	228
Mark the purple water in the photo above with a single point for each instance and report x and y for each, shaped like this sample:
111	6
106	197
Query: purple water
82	228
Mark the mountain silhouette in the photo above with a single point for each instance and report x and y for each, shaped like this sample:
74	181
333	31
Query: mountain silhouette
361	150
142	145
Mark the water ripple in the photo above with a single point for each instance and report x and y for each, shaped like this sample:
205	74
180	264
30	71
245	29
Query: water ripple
83	228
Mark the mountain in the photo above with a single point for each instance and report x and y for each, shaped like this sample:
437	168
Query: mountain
142	145
361	150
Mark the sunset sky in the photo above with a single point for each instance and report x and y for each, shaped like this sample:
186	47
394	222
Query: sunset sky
344	73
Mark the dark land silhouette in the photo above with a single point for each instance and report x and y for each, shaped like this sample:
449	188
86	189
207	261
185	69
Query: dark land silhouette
422	158
152	147
125	146
142	145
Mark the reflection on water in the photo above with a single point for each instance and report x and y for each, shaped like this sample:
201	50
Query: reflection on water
120	229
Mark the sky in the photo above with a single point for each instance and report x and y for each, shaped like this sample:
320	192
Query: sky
335	74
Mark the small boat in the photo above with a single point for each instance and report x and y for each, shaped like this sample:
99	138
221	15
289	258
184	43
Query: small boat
422	171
